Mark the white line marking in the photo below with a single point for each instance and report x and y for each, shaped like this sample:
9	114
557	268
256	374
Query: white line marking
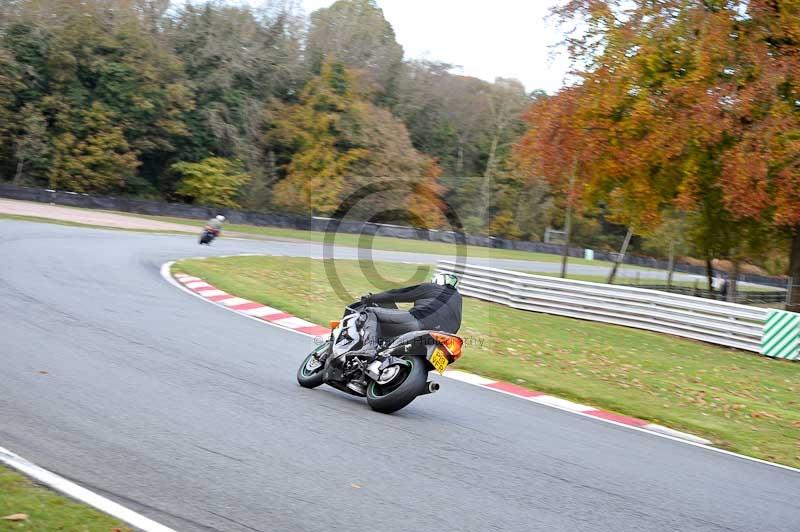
234	301
676	433
165	273
293	322
469	378
260	312
197	284
212	292
550	400
82	494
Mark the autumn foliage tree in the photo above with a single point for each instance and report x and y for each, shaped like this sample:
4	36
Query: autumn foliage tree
96	158
336	141
683	103
213	181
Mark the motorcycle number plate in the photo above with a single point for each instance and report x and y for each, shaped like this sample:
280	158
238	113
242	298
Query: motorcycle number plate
439	360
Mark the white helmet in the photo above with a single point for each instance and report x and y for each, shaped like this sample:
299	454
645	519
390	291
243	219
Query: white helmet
220	218
445	279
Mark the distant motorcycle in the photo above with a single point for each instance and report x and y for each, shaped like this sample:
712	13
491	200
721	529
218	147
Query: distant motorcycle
208	235
391	379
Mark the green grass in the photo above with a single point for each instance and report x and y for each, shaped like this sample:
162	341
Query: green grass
741	401
46	510
384	243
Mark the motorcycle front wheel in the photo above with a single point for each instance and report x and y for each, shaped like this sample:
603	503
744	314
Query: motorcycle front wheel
310	372
400	391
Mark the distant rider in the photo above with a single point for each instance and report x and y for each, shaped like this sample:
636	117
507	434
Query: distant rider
215	224
437	307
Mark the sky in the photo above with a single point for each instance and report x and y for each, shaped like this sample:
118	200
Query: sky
487	38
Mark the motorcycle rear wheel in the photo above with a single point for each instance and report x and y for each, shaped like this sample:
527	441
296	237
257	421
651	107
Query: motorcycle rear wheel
398	393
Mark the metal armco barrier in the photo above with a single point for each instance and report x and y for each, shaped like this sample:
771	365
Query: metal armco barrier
716	322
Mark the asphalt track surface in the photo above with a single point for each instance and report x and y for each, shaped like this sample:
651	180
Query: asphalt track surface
191	415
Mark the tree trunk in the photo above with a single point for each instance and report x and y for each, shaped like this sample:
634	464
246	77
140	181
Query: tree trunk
794	272
671	267
567	230
733	281
486	185
18	175
460	160
710	274
620	256
568	222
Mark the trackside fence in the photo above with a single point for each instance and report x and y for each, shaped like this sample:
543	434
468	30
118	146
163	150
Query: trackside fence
716	322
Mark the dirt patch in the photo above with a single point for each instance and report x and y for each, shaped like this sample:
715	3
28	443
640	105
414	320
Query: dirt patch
89	217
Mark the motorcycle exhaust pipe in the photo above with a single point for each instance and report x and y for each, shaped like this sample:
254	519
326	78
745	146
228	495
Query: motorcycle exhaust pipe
431	387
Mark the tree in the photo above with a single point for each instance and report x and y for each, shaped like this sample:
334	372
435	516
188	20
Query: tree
507	99
355	33
686	97
32	147
237	60
9	86
335	141
97	159
213	181
761	168
96	52
311	131
669	240
559	148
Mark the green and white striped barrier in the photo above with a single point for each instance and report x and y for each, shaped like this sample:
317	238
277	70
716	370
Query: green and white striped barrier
781	337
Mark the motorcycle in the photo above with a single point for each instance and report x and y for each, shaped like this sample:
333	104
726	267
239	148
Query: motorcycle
208	235
389	380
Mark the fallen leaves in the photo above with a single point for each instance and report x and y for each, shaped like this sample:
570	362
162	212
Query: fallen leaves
763	414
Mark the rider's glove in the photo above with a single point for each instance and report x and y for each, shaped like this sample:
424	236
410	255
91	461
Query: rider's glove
366	300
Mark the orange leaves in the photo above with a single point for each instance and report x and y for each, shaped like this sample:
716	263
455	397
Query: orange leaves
678	105
744	181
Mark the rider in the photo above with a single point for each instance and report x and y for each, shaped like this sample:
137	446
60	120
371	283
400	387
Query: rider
215	224
437	307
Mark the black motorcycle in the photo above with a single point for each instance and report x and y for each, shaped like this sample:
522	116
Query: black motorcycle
389	380
208	235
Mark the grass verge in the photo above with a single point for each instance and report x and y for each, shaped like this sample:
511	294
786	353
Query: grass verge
47	510
386	243
741	401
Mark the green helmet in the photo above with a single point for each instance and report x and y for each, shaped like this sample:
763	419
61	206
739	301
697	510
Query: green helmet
445	279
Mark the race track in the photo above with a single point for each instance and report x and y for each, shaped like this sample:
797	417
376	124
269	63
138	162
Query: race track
191	415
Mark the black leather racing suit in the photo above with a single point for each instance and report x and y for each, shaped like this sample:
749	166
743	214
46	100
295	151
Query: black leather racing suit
436	307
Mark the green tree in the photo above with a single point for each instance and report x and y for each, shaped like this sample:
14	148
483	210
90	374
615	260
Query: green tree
108	52
94	159
237	60
355	33
9	87
336	141
213	181
311	131
32	147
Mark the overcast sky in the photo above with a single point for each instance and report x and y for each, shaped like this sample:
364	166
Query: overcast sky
487	38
